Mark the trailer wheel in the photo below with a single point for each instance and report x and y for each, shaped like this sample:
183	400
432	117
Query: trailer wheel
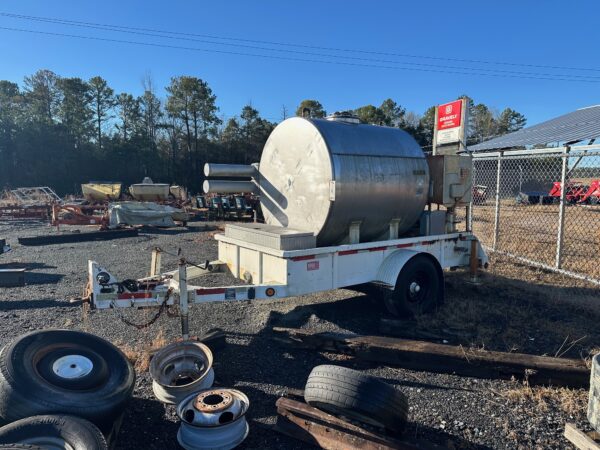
64	372
357	396
418	290
66	432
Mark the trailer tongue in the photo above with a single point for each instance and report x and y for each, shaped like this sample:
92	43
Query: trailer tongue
344	205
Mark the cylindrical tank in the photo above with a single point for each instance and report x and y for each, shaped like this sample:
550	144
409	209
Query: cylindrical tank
323	175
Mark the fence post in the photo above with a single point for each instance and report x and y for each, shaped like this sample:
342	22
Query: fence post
469	207
497	210
561	208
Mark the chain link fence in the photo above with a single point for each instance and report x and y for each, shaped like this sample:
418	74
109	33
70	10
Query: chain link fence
520	208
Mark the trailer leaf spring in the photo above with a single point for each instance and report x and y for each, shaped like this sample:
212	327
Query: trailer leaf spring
140	326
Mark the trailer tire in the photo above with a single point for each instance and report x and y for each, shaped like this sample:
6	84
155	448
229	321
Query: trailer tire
357	396
64	372
44	431
419	288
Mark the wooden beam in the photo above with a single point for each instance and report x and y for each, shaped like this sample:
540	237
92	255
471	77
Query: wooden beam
579	439
430	357
313	426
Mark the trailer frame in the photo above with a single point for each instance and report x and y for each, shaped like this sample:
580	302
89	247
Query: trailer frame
272	274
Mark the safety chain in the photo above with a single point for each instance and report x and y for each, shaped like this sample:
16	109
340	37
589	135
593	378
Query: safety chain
141	326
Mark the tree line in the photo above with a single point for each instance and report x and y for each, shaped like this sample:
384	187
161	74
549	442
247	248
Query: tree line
484	122
61	132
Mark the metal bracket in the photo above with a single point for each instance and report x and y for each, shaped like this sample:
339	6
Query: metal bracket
354	233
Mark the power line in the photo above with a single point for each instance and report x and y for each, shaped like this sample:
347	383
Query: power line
287	58
284	44
164	34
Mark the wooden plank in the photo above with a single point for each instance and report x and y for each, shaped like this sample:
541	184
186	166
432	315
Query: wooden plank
431	357
579	439
301	421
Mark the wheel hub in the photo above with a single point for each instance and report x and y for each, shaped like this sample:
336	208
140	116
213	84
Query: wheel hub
415	288
72	366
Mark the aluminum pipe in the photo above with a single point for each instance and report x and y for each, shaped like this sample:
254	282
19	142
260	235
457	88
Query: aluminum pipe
227	187
229	170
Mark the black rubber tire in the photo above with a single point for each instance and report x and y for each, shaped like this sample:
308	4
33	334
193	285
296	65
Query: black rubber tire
20	447
356	396
28	386
422	270
78	433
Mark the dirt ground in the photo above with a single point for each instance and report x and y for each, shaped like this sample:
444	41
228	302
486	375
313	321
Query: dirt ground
515	309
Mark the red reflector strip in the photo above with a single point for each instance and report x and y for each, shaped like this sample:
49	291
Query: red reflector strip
210	291
427	242
377	249
348	252
130	295
303	258
404	245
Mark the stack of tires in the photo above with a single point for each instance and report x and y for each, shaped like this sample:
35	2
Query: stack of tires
62	389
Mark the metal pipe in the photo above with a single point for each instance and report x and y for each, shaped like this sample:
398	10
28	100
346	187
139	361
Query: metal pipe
227	187
561	209
229	170
474	262
497	209
183	301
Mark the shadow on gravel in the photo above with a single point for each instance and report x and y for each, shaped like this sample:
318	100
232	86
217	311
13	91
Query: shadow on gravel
26	265
33	278
9	305
144	427
265	362
360	314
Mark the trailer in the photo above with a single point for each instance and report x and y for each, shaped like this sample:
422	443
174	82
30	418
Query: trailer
346	205
408	272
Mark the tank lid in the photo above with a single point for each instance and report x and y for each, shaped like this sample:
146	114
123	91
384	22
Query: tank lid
343	116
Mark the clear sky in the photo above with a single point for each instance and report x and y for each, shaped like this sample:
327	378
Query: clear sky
525	33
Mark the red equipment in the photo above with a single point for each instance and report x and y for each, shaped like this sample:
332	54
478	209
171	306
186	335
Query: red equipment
575	190
592	195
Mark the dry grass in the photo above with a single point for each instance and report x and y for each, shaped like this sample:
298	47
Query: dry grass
140	356
530	231
569	401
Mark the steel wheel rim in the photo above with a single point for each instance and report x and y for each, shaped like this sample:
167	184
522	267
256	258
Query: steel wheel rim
72	367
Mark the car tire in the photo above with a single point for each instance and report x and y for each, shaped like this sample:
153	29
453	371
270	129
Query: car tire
64	372
356	396
48	431
419	288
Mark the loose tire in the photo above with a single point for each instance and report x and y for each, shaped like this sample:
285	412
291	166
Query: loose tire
51	432
20	447
352	394
418	290
64	372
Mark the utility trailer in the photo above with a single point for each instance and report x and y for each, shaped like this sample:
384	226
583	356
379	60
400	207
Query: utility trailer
408	272
346	205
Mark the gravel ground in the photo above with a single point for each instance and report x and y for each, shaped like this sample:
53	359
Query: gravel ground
515	309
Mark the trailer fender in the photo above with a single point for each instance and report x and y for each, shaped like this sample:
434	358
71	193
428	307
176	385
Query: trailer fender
392	265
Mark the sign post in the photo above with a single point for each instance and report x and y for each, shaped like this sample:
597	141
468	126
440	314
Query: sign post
449	132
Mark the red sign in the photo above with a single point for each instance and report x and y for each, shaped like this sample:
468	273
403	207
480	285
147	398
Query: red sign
449	115
312	265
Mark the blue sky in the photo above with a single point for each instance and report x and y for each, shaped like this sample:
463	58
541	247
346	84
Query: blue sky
558	33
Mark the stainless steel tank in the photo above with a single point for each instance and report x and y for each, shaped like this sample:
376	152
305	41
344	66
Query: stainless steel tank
323	175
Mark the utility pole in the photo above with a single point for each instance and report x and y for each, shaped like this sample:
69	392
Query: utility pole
284	112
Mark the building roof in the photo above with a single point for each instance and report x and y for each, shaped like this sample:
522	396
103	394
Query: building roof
575	126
